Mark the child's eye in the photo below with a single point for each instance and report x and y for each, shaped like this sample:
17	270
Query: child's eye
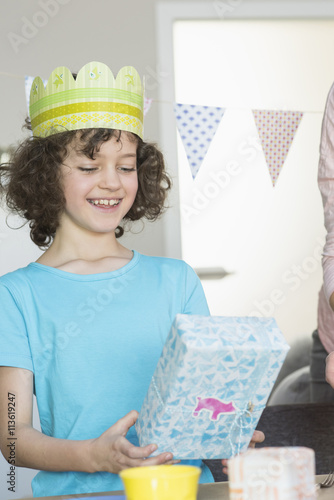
128	169
87	169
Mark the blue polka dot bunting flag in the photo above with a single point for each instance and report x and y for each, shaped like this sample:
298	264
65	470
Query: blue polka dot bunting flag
197	126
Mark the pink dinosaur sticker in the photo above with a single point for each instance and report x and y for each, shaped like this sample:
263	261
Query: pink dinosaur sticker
214	405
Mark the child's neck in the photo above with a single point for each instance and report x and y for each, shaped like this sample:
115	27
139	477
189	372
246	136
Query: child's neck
94	254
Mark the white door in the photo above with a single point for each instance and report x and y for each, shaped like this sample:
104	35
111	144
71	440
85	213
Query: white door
268	239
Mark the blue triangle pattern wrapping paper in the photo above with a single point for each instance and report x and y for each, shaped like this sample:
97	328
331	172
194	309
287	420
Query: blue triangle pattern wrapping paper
211	384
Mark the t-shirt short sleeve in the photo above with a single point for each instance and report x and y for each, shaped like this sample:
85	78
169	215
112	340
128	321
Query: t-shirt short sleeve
195	298
14	343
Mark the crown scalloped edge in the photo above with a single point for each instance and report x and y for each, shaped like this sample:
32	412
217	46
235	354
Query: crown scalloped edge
95	89
97	74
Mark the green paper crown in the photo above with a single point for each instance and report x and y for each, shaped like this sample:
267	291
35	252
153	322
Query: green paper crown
94	100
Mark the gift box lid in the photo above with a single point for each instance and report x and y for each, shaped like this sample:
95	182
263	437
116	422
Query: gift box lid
208	349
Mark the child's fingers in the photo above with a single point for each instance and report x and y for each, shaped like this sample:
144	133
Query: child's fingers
135	452
162	459
258	437
123	424
224	463
124	454
143	453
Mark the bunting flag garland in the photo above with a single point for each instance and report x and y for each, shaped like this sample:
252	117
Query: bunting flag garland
197	126
276	130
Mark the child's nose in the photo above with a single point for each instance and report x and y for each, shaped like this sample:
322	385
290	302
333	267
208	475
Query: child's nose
110	179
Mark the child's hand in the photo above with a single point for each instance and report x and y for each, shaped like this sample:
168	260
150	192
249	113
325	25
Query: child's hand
258	437
112	452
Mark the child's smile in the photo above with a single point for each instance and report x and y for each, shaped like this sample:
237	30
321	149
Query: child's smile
105	203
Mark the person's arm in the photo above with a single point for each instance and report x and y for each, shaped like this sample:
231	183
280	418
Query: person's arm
326	186
24	446
331	301
330	369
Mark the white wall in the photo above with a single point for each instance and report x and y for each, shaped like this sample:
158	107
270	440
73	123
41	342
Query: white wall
79	32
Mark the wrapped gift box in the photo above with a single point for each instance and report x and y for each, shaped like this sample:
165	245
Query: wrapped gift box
211	385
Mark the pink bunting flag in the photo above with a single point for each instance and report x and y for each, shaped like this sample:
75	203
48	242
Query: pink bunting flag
197	126
147	104
276	130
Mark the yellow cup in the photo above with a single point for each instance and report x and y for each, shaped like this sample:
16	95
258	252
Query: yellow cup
161	482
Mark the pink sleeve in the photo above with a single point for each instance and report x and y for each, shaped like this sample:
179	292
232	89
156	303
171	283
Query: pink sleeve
326	186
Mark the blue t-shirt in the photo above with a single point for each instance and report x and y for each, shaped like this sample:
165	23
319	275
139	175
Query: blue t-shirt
92	342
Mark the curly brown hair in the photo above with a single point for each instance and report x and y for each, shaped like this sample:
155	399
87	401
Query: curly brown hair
31	181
